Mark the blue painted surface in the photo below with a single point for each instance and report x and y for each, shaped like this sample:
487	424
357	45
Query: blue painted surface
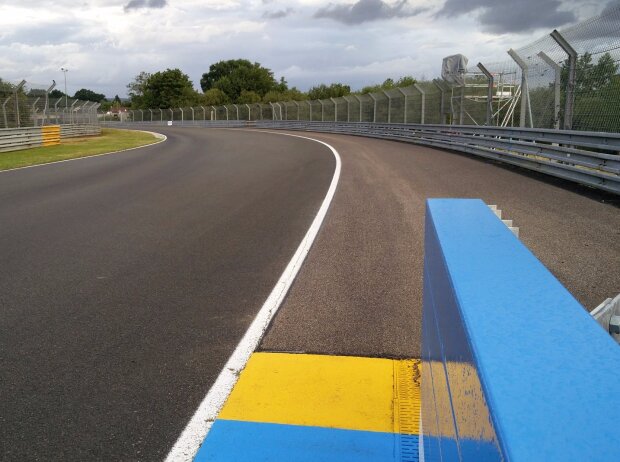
531	376
231	440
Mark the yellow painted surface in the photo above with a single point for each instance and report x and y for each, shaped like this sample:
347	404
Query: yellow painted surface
407	397
50	135
326	391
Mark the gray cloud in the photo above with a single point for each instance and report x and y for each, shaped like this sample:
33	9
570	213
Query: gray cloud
136	4
279	14
504	16
366	10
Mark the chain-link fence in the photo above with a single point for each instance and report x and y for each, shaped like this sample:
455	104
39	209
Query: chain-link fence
566	79
25	104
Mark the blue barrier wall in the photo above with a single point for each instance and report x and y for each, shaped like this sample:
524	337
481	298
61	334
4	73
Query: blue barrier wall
513	367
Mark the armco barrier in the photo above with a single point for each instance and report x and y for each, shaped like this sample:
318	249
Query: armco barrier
15	139
589	158
514	368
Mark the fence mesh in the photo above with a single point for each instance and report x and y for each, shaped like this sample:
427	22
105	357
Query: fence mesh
27	104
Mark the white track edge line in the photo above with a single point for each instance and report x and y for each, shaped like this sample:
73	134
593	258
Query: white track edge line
161	137
188	443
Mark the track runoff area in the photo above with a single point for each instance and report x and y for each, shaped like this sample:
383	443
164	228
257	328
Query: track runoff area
334	374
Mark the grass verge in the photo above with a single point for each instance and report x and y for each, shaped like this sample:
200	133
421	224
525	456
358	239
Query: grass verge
111	139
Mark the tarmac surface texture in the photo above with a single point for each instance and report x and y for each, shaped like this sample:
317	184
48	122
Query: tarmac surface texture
127	280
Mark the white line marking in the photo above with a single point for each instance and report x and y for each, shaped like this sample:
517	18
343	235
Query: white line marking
198	427
161	137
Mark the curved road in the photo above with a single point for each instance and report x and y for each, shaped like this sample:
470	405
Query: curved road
128	279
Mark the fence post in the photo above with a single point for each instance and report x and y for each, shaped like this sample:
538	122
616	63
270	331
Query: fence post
374	111
360	101
34	109
442	112
226	109
423	105
389	117
171	115
19	87
405	105
335	109
296	105
71	113
572	74
525	91
47	101
249	112
489	93
213	113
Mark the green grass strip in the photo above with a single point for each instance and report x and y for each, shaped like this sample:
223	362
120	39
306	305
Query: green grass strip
110	140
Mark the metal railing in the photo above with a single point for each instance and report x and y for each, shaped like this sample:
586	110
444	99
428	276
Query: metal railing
15	139
589	158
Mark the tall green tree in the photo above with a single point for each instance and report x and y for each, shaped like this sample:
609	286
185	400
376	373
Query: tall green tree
388	84
237	75
136	90
165	89
334	90
89	95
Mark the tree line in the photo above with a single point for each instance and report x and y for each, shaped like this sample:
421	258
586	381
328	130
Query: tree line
236	81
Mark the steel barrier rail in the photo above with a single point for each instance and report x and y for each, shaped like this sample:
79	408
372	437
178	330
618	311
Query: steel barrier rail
513	367
76	130
589	158
15	139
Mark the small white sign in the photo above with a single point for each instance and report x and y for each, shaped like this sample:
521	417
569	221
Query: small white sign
170	123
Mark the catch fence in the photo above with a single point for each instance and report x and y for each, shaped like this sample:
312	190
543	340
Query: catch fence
24	104
564	80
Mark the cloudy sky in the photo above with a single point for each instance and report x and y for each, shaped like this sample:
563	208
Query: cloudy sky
105	43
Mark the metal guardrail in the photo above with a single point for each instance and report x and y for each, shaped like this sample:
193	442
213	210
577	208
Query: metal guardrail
15	139
589	158
71	131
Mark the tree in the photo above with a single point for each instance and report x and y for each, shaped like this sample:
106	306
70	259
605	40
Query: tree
170	88
334	90
165	89
56	94
248	97
388	84
596	93
236	75
214	97
137	88
89	95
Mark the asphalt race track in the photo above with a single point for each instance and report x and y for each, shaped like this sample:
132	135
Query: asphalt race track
127	280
